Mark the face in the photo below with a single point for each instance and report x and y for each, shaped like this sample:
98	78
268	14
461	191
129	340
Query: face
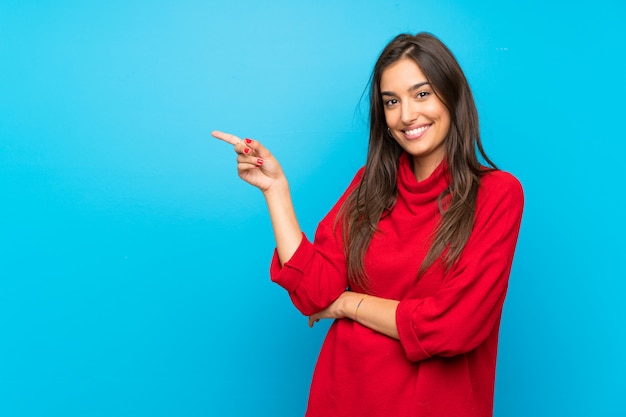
417	119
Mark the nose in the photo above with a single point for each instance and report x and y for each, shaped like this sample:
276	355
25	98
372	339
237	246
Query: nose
410	112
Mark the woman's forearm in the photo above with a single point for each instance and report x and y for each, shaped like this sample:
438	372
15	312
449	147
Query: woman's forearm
378	314
287	232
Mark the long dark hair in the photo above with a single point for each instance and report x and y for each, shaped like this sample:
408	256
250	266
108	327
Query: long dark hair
377	190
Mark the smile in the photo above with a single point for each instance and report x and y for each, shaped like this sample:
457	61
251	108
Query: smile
416	132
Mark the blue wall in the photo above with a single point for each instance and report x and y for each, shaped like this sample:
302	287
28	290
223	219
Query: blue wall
134	263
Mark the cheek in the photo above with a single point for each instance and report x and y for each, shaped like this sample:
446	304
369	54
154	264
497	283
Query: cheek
445	129
447	122
390	118
441	112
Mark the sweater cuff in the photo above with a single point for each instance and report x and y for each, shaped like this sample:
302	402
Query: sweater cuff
290	274
408	336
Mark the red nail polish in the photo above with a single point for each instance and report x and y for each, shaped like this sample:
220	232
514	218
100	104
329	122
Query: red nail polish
247	150
248	141
259	162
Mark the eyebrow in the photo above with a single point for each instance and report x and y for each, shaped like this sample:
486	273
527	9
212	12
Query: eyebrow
415	87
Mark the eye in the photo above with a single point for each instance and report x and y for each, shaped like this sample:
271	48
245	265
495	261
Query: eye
422	94
390	102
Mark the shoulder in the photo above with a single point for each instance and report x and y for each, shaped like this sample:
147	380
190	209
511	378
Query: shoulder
499	205
333	213
500	191
498	183
358	176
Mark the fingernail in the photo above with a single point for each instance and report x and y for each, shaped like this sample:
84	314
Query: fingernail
259	161
248	141
247	150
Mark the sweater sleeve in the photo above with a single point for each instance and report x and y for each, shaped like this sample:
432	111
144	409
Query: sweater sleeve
463	312
316	274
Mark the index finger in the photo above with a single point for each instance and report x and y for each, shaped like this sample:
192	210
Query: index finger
226	137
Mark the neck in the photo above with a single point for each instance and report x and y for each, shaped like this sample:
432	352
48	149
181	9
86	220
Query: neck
423	169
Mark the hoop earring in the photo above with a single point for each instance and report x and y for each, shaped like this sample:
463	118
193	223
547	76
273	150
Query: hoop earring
389	133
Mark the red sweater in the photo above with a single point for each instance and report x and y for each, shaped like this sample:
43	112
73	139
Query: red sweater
444	363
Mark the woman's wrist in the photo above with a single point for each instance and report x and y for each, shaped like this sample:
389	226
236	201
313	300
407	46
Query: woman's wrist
348	304
280	187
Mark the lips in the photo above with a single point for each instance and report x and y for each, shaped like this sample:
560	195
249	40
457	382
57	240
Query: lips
416	132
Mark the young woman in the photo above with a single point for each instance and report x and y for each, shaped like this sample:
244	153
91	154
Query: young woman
414	259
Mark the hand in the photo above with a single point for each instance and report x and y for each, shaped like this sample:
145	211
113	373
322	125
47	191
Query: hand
333	311
255	164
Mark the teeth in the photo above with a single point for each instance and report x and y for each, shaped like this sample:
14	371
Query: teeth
416	131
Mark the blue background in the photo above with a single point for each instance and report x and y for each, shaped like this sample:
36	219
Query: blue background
134	263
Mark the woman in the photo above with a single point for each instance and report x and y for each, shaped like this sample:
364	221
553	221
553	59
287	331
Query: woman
423	240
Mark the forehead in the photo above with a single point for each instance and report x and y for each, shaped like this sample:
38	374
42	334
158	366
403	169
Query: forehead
401	76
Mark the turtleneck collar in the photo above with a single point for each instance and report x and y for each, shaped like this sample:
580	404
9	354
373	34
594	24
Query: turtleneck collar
420	192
